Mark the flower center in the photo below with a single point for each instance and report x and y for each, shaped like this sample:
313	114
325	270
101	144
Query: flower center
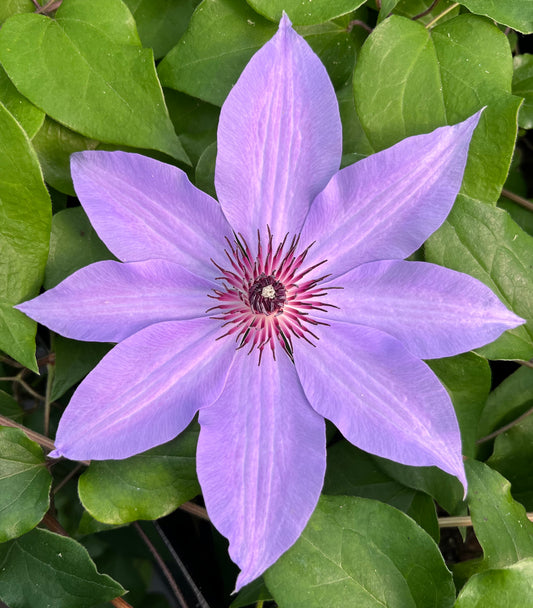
266	298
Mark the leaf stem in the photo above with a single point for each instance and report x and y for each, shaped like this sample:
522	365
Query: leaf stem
196	510
160	562
427	11
506	427
463	521
43	441
445	12
517	199
23	383
49	381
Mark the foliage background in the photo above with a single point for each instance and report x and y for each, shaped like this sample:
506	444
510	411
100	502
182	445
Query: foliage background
150	76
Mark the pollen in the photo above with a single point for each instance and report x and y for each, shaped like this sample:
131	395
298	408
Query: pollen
267	297
268	292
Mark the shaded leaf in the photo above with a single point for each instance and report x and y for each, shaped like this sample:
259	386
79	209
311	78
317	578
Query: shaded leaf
523	87
45	569
500	523
54	144
25	215
161	23
308	12
89	57
352	472
10	408
484	242
28	115
507	401
359	552
512	586
512	458
516	14
24	484
467	378
73	361
146	486
73	245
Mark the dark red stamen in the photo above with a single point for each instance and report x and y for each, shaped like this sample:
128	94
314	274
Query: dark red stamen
264	300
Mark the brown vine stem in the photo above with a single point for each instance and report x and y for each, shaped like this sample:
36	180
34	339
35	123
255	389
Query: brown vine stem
438	17
18	379
33	435
427	11
506	427
49	7
524	363
196	510
463	521
517	199
170	579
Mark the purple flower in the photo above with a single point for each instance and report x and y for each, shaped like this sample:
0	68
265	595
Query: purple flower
299	268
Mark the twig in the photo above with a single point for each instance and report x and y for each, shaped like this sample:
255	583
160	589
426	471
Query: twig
448	10
463	521
360	23
49	7
18	379
524	363
49	381
200	600
196	510
67	478
427	11
517	199
506	427
173	585
43	441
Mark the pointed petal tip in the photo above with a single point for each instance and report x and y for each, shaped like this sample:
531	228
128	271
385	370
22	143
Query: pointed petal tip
55	454
285	23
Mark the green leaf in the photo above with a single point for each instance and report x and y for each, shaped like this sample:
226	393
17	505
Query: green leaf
467	379
251	594
413	8
25	215
523	87
45	569
54	144
146	486
195	122
14	7
512	458
207	66
352	472
73	361
359	552
10	408
161	23
89	58
308	12
73	245
500	523
517	14
507	401
401	58
512	586
29	116
24	484
484	242
205	170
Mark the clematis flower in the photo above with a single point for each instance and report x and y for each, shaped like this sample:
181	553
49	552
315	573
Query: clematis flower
284	303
